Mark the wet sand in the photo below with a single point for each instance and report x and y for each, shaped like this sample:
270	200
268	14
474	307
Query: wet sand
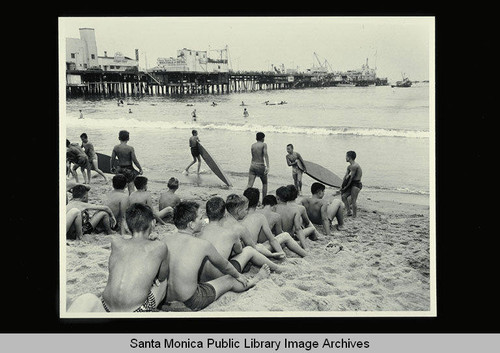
384	264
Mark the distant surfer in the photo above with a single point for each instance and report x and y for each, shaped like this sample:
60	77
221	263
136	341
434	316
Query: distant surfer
214	104
245	113
293	159
351	185
130	111
193	114
81	114
195	151
257	166
242	104
126	156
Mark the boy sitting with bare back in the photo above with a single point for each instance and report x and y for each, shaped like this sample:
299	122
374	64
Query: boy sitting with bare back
237	210
323	212
117	201
142	195
82	224
306	222
169	198
269	211
228	244
187	259
258	226
138	269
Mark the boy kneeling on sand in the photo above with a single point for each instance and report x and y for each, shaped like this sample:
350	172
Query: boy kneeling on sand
138	269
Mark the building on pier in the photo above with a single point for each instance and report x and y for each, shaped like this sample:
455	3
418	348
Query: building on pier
189	60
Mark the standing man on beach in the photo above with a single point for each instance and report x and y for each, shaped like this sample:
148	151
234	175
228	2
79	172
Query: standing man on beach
193	114
90	152
195	151
351	186
257	166
293	159
126	156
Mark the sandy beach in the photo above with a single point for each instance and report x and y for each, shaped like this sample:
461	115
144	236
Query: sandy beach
384	264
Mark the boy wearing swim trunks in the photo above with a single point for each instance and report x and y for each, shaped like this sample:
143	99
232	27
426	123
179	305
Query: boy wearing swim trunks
75	155
258	227
126	156
228	243
257	166
138	269
187	256
195	151
351	185
103	219
92	156
321	211
117	201
293	159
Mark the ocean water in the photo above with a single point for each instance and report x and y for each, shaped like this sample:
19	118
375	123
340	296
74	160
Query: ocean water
389	128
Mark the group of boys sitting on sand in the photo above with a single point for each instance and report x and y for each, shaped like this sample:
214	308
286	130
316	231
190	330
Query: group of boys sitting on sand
199	262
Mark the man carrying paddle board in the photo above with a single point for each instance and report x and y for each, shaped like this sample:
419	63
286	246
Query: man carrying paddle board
293	159
195	151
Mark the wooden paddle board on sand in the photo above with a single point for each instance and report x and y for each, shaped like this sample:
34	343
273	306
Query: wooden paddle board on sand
103	162
321	174
212	164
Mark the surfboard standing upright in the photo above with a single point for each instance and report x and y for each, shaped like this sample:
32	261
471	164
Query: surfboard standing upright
212	164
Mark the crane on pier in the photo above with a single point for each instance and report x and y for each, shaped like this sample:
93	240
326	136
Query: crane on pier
325	66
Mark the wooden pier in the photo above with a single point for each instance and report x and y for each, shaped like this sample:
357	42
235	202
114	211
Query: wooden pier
120	84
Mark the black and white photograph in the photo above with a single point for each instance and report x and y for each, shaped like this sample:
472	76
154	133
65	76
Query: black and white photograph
247	166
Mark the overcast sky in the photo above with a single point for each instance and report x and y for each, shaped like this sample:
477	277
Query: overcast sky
393	44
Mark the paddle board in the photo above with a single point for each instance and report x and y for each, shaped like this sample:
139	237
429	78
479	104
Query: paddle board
321	174
212	164
103	162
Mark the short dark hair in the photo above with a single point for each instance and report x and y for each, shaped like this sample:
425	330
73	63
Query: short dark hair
282	192
253	195
233	202
67	143
292	192
290	145
351	154
269	200
259	136
84	135
140	182
194	132
216	208
173	183
119	181
138	217
79	191
185	212
123	135
315	187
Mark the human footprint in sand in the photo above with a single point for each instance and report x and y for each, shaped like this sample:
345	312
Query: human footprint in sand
323	212
188	255
138	269
228	243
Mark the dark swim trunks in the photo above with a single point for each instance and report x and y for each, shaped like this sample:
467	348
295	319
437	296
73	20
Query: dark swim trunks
148	306
237	266
258	170
202	297
195	152
128	171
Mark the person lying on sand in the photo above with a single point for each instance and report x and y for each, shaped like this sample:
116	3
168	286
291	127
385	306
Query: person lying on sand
169	198
237	210
142	195
255	220
138	269
291	219
187	257
80	223
228	243
117	201
323	212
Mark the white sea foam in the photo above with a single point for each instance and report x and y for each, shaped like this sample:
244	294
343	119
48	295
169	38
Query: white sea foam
307	130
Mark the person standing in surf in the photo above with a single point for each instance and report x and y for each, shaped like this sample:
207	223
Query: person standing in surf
90	152
257	166
293	159
193	114
351	186
195	151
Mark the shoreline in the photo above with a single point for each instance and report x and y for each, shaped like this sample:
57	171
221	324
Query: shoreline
384	264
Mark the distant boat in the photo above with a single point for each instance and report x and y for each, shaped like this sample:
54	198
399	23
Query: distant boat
405	83
345	84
